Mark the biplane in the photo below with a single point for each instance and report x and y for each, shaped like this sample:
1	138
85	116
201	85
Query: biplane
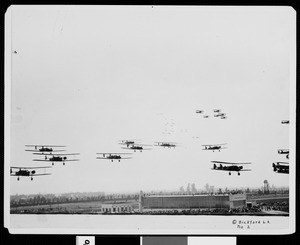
281	167
45	148
220	115
166	144
215	147
284	151
113	156
56	157
199	111
26	172
285	122
136	147
231	168
128	142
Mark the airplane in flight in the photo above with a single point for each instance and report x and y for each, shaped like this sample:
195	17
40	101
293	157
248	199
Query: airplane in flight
128	142
26	172
56	157
281	167
285	122
284	151
219	115
233	166
44	148
166	144
215	147
136	147
199	111
113	156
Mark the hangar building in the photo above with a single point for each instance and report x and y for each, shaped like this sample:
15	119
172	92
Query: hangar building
193	201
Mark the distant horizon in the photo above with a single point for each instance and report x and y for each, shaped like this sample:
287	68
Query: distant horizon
147	191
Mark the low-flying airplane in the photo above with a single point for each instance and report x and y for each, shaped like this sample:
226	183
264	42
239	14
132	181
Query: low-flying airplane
136	147
56	157
233	166
215	147
281	167
113	156
44	148
285	122
199	111
166	144
26	172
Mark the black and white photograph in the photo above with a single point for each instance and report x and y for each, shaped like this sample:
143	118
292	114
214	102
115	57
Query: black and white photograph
150	119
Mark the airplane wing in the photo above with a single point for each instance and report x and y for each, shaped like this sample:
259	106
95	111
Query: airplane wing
30	167
113	153
278	163
105	158
48	151
231	170
49	160
232	163
57	154
127	148
38	174
45	145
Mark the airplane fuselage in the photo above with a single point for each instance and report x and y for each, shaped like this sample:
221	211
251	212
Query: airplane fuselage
45	149
114	157
57	159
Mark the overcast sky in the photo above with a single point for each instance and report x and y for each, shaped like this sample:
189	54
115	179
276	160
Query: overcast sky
89	77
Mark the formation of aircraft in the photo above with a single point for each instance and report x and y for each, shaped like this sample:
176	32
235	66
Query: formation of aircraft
50	155
166	144
281	167
214	147
26	172
217	112
44	148
56	157
220	114
113	156
233	167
